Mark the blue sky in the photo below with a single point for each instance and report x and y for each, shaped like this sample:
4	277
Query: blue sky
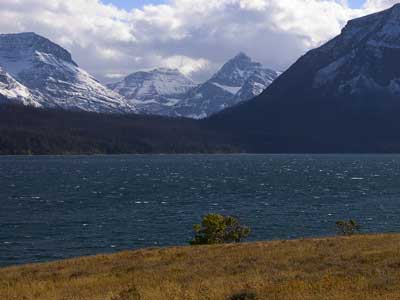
129	4
356	3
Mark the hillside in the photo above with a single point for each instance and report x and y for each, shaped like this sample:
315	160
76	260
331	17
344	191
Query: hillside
340	97
28	130
361	267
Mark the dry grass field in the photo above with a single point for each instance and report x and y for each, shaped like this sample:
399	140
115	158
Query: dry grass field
361	267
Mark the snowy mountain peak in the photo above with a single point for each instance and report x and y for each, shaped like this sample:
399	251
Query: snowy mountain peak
155	91
241	56
362	60
380	29
157	82
238	80
19	45
52	78
168	92
236	71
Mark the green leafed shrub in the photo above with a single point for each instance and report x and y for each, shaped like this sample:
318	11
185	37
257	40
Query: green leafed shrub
219	229
347	228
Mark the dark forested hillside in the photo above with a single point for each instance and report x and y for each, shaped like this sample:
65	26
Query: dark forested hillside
26	130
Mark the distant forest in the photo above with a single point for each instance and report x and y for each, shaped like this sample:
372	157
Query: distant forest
27	130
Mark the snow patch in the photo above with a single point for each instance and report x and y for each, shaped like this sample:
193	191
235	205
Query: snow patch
230	89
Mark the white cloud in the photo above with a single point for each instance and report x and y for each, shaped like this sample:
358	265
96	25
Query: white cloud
195	36
185	64
374	5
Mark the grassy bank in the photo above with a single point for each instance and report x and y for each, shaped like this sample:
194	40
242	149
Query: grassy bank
360	267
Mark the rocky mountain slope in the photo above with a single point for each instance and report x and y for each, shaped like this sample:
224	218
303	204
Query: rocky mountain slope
37	71
155	92
343	96
11	91
240	79
168	92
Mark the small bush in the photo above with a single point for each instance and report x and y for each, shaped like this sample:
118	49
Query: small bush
219	229
244	295
347	228
129	294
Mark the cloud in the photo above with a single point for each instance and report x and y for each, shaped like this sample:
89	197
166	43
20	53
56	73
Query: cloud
375	5
196	36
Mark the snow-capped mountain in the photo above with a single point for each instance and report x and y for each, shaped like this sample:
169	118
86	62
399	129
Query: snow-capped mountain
44	74
35	71
240	79
12	91
363	59
342	96
154	92
169	93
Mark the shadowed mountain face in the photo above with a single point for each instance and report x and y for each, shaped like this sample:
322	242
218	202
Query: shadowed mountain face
343	96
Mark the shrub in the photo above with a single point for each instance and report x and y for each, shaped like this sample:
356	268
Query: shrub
347	227
129	294
219	229
244	295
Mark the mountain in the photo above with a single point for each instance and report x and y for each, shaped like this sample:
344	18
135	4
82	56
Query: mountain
36	70
11	91
155	92
240	79
168	92
341	97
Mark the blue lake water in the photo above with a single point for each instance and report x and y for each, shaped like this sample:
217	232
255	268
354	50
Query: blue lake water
55	207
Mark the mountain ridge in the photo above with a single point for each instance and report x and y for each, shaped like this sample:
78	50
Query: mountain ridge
39	72
239	79
155	91
53	79
340	97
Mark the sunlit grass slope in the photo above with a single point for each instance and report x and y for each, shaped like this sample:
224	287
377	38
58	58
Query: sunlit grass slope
361	267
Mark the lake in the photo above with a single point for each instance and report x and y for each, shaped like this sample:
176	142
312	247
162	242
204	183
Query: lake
55	207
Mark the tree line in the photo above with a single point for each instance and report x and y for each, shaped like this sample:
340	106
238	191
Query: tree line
28	130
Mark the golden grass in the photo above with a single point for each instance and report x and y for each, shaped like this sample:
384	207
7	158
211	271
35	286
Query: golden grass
361	267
